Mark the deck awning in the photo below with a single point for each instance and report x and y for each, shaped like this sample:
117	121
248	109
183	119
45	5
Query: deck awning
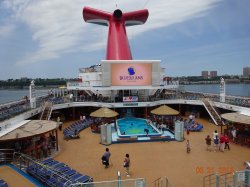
30	129
236	117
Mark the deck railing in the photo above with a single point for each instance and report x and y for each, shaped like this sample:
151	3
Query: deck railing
233	100
236	179
162	182
11	109
8	110
140	182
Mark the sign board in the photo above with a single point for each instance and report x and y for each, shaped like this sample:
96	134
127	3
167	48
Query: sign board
130	99
131	74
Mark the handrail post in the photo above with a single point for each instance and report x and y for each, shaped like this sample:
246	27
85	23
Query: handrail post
161	183
217	183
234	179
247	177
119	178
167	184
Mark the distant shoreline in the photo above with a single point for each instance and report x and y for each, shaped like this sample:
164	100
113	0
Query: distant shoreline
208	83
27	87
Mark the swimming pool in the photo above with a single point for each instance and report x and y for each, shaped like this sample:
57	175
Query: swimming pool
128	127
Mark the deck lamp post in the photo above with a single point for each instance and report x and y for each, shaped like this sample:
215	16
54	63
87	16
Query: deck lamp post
222	90
32	90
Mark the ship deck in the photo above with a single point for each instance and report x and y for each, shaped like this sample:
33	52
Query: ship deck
151	160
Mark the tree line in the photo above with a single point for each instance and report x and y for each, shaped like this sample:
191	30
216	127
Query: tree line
25	82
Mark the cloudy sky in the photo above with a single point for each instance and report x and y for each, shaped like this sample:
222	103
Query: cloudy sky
49	39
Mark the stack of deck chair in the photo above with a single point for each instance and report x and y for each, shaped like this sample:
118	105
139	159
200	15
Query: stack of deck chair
56	174
3	183
69	132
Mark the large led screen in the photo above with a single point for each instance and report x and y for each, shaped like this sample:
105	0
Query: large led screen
131	74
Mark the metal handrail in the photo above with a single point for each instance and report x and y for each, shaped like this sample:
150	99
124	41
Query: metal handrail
211	181
161	182
27	160
103	182
225	180
156	181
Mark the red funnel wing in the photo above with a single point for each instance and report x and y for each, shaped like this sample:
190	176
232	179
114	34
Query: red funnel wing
136	18
92	15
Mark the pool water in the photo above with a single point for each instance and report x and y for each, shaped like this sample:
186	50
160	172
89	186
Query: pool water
127	127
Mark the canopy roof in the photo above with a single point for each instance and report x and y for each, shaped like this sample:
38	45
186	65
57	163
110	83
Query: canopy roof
104	113
237	118
165	110
30	129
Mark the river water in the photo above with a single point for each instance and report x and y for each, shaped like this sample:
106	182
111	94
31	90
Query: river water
231	89
14	95
242	90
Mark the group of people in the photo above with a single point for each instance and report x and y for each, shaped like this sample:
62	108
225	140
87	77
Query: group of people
220	143
106	160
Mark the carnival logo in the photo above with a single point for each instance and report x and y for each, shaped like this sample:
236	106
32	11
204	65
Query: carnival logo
131	70
131	77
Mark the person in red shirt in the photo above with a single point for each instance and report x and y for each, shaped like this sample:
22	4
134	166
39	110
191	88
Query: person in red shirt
226	142
222	143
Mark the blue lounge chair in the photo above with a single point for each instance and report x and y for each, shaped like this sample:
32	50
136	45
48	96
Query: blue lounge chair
196	129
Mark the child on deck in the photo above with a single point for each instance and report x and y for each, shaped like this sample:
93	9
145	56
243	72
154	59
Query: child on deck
208	142
188	146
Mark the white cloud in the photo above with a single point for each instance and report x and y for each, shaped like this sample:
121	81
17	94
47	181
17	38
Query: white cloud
57	26
6	30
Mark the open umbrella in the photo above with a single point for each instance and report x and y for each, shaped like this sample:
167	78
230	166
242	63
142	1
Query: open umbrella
104	113
164	110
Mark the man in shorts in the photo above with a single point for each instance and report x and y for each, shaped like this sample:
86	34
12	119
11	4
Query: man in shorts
105	158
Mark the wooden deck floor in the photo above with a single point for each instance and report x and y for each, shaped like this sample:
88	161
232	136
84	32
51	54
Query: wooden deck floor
152	160
13	178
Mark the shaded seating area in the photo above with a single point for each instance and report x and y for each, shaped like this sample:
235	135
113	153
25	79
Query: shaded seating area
72	132
238	128
164	117
101	116
53	173
36	138
3	183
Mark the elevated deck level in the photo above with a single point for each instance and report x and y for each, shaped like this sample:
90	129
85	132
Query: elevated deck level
13	120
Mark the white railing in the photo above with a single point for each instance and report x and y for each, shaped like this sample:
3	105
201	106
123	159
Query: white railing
115	183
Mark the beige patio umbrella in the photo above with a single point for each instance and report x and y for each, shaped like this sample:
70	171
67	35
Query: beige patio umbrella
104	113
164	110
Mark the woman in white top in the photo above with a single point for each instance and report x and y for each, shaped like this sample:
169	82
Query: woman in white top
233	132
215	133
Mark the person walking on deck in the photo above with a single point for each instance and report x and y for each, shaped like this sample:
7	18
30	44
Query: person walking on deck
106	157
226	142
126	164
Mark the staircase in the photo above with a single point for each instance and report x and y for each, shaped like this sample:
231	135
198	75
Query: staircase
46	111
212	112
89	92
153	92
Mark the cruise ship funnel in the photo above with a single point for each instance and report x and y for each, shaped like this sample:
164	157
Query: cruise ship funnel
118	44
